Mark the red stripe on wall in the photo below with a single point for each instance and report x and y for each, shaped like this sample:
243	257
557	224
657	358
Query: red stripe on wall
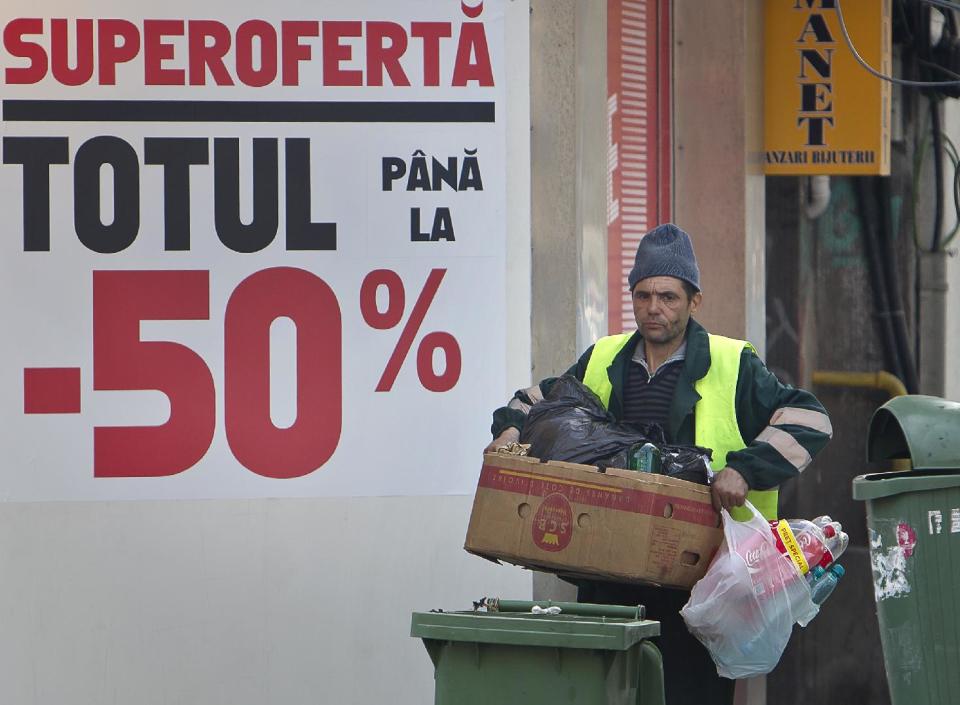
638	182
665	110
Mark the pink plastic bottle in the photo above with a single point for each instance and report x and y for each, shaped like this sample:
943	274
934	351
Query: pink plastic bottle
836	541
820	541
808	538
812	541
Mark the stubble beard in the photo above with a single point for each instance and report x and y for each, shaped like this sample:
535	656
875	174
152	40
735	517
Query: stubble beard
667	334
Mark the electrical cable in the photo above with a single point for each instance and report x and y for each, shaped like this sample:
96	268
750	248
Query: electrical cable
946	52
952	31
877	284
921	156
905	22
888	259
956	202
946	4
920	152
951	150
884	77
937	67
937	173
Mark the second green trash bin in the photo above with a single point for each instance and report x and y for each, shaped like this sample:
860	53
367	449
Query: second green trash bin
913	519
532	659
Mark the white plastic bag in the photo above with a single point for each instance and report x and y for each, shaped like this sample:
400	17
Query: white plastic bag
744	608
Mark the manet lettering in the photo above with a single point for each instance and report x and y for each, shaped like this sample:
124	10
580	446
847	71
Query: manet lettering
816	71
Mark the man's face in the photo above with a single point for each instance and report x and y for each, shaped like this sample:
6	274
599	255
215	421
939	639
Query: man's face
662	309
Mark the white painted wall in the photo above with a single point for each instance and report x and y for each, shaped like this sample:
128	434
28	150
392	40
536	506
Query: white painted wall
276	602
951	125
283	602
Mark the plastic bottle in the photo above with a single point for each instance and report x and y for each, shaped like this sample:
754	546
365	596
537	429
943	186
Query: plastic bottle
831	528
835	540
823	587
822	540
644	457
844	541
814	575
808	537
822	521
812	541
836	544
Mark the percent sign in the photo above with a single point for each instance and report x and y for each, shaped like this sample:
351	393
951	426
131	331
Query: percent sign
431	342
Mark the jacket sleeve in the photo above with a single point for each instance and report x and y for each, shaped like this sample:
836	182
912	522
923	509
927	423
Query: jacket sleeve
783	427
515	412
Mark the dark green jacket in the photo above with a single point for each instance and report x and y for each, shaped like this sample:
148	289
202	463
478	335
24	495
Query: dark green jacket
759	395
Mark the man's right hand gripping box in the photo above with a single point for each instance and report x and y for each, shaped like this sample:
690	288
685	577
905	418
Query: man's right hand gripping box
578	522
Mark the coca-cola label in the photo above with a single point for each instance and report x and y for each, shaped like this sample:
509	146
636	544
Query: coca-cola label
788	544
754	550
752	556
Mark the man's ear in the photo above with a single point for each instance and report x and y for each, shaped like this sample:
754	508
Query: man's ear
695	302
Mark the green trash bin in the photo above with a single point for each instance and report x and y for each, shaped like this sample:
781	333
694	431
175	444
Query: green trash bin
913	520
600	656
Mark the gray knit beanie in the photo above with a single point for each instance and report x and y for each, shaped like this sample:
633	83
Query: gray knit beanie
666	251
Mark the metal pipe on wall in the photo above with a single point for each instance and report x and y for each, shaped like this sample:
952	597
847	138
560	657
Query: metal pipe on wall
933	322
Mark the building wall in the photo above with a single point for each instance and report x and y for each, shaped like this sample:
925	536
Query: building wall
553	155
719	185
231	602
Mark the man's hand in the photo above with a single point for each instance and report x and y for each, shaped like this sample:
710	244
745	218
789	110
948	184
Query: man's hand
509	435
728	490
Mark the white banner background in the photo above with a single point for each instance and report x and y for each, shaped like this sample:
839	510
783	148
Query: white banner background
407	441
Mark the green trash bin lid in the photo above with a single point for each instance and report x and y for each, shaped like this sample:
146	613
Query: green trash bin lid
921	428
886	484
526	629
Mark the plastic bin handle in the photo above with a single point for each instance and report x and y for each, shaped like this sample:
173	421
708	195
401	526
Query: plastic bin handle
579	609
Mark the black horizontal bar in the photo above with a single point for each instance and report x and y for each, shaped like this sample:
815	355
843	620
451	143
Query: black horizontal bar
244	111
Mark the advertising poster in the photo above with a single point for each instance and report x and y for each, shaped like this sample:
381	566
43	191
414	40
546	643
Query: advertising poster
250	249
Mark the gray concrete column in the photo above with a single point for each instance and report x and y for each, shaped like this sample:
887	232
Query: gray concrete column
553	141
568	192
718	143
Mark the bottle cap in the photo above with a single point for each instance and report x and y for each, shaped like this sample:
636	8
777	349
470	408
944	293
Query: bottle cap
838	570
829	531
817	572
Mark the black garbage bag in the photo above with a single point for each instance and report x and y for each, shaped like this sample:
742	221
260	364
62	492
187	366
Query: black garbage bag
688	463
571	424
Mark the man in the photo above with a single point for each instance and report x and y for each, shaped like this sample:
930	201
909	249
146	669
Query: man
704	390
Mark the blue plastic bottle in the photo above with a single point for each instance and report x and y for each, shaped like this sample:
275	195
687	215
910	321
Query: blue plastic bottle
823	587
814	575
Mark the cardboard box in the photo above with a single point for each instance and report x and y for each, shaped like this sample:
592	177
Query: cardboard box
575	521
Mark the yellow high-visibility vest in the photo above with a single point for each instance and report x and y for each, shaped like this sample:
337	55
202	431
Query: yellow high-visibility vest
715	415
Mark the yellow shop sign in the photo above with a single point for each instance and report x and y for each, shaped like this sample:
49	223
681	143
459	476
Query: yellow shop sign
823	112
